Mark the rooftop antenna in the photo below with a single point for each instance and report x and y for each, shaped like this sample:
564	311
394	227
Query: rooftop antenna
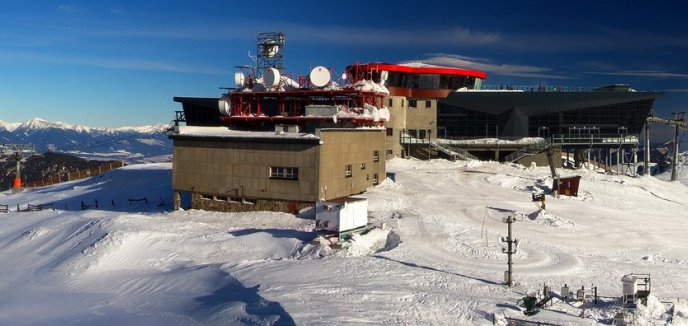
270	47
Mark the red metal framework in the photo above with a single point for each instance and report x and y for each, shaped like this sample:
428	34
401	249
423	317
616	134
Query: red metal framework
292	103
247	106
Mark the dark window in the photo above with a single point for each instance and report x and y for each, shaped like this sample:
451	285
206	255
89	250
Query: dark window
348	171
376	156
413	103
428	104
279	172
375	180
422	134
390	152
413	133
362	166
207	197
390	131
390	102
402	102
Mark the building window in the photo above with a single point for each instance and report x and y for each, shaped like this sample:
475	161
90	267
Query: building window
362	166
413	133
207	197
375	180
402	102
390	131
390	152
279	172
390	102
376	156
413	103
428	104
421	134
348	170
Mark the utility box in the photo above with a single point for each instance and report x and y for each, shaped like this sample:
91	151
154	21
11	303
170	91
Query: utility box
567	186
630	288
341	214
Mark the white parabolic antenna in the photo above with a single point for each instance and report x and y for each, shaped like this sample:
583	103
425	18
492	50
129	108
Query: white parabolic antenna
239	79
320	76
383	76
271	77
224	105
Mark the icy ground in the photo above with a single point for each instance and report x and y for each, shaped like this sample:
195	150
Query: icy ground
438	262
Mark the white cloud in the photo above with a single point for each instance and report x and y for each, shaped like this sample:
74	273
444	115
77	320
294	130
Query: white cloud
643	73
113	63
452	60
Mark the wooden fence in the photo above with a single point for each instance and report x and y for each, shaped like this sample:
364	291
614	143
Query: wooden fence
75	175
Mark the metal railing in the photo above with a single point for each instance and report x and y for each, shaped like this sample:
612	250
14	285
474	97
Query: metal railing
592	139
529	149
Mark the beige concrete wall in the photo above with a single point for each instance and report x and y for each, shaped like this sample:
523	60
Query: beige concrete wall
397	123
341	147
238	169
423	116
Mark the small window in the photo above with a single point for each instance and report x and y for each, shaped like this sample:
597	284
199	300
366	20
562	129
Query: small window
348	171
390	102
376	156
413	103
421	134
413	133
375	180
390	131
287	173
428	104
390	152
221	198
402	102
362	166
207	197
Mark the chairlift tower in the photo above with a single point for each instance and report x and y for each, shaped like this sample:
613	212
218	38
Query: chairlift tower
19	152
678	121
270	51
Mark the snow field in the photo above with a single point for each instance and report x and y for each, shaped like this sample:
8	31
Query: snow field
439	261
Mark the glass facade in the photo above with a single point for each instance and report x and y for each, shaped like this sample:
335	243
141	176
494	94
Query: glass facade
431	81
459	122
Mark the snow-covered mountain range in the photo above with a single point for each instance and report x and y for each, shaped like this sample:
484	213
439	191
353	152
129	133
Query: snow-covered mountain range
126	143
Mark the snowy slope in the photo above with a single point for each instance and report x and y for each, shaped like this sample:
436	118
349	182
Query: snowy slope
438	262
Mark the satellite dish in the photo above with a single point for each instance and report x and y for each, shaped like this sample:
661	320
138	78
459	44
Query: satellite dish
271	78
383	76
344	76
320	76
224	104
239	79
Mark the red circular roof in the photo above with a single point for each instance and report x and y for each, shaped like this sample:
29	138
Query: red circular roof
424	70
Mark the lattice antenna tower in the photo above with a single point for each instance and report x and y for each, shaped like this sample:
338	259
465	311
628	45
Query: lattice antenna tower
270	52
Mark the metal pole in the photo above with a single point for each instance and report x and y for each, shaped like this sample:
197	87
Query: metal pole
646	159
674	161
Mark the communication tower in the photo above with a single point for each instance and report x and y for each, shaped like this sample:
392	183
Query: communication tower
270	52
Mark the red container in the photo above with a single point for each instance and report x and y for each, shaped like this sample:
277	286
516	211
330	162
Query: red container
568	186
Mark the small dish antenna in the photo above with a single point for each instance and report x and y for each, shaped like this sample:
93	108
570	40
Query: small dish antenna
239	79
344	76
319	76
224	104
271	78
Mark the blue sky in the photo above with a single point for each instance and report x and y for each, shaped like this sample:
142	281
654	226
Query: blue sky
114	63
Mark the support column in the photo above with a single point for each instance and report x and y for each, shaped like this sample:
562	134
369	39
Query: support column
177	200
646	159
674	160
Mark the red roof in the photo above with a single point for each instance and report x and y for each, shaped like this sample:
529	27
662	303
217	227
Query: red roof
424	70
